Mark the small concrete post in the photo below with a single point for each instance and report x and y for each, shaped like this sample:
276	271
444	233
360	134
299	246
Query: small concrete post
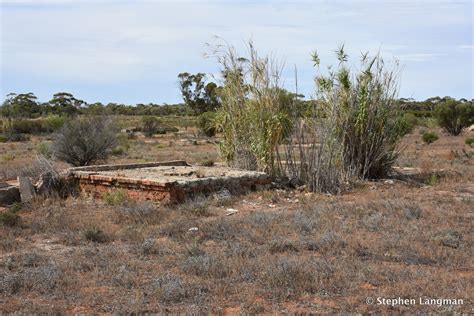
27	190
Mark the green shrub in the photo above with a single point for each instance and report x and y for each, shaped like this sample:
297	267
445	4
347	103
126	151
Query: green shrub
421	113
428	122
207	123
469	141
3	139
8	157
118	151
166	129
117	197
44	149
171	129
54	122
16	137
454	115
208	163
253	117
429	137
150	125
432	180
28	127
96	235
9	218
408	123
354	133
123	140
15	207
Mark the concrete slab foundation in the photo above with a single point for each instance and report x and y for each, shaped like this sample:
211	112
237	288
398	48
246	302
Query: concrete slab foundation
173	181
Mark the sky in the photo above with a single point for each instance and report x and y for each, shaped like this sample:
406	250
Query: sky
131	52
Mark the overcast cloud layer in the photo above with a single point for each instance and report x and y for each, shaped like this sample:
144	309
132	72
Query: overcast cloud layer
132	51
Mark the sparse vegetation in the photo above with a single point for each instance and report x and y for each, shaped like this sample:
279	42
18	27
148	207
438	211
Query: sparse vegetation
150	125
281	250
207	123
9	218
54	122
96	235
429	137
82	142
454	115
116	197
44	149
344	138
208	163
252	116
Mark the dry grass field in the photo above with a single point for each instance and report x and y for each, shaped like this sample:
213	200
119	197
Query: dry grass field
284	251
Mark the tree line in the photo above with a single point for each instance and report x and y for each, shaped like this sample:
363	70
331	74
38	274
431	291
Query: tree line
198	96
26	105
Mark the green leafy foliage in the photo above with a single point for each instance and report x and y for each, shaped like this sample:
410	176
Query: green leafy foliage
207	123
20	105
363	110
96	235
408	122
254	114
116	197
469	141
25	126
54	122
354	127
455	115
150	125
9	218
429	137
198	95
44	148
66	104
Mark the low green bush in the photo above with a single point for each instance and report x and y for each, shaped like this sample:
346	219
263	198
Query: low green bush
23	126
207	123
117	197
429	137
53	123
8	157
17	137
150	125
408	123
96	235
421	113
208	163
432	180
469	141
455	115
9	218
123	140
44	149
3	139
118	151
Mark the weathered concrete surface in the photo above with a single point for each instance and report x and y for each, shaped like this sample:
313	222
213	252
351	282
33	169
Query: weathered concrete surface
9	194
27	190
173	181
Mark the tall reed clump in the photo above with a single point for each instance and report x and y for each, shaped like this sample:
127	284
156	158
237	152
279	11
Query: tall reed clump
354	131
254	115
